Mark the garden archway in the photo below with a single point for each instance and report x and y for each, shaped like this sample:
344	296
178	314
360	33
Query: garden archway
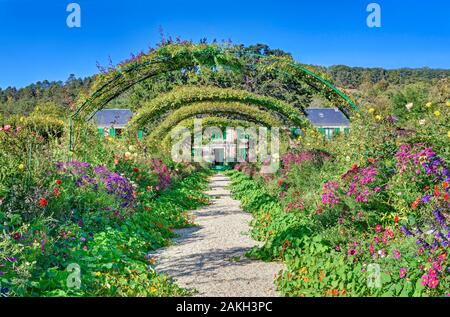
115	81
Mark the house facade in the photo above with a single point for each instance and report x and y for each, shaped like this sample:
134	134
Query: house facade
223	150
329	121
112	122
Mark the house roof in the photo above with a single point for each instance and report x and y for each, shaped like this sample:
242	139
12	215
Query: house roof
113	118
327	117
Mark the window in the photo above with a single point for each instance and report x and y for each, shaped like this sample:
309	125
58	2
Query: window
329	133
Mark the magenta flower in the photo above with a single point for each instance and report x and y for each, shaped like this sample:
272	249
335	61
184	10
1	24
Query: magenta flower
433	283
424	280
351	252
403	272
397	254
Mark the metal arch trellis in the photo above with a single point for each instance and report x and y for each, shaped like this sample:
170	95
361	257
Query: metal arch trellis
123	86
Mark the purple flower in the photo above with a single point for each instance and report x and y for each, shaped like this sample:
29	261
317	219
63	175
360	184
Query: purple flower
426	199
405	231
439	217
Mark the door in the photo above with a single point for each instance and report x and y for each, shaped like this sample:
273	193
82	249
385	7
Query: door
219	156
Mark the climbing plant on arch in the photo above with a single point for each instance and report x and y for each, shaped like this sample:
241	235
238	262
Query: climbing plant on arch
205	97
179	57
217	108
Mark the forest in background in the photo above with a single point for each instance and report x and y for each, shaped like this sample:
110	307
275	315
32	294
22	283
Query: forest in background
356	81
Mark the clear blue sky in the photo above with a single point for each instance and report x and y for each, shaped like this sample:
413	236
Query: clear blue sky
36	44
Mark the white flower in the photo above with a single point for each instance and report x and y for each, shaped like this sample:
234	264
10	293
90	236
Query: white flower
409	106
422	122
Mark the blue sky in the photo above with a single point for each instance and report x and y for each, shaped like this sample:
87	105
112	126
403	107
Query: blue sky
36	43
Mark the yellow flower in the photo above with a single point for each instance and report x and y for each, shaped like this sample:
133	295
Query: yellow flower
437	113
429	104
98	273
448	133
371	110
448	103
21	167
378	117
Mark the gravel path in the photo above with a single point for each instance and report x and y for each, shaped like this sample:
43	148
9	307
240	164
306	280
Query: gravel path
210	257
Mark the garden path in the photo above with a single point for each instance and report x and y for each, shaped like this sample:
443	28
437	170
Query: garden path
210	257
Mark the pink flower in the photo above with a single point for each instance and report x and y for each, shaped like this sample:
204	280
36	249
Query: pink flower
378	228
402	272
372	249
351	252
397	254
433	283
424	280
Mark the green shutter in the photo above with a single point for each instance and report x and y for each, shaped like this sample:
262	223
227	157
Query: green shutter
346	130
101	131
337	131
112	132
322	130
140	134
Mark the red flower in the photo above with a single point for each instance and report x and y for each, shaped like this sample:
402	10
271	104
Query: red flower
42	202
56	191
445	197
58	182
445	185
396	219
136	169
437	193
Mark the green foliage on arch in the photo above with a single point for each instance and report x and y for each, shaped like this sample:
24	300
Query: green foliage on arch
187	57
149	114
223	108
112	82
